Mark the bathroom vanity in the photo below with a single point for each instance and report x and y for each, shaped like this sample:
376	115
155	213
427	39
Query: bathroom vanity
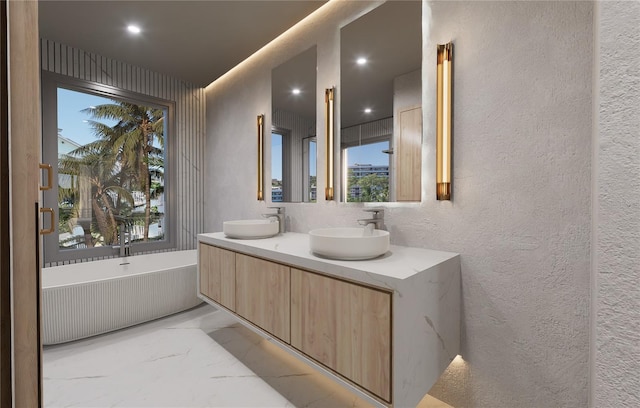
386	328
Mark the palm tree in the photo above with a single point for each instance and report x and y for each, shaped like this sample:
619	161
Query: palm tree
137	140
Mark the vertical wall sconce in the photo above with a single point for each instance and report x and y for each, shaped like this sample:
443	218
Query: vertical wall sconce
260	157
443	122
329	124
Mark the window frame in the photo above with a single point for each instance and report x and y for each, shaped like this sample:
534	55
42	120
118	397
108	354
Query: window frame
286	162
306	169
49	99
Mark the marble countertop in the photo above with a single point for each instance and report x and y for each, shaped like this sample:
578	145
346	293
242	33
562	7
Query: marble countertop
398	264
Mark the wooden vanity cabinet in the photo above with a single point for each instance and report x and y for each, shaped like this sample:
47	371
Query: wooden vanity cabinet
337	316
345	326
218	275
342	325
263	294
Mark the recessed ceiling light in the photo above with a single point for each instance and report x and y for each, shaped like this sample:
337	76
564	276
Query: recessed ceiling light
367	110
361	61
295	91
133	29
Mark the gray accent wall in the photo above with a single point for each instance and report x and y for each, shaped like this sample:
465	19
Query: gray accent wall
189	115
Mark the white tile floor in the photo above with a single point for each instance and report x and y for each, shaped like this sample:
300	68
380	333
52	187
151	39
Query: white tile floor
198	358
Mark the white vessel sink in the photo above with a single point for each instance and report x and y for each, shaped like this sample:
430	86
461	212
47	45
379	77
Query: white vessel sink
348	244
251	229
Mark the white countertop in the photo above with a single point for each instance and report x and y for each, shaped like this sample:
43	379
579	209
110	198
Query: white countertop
399	263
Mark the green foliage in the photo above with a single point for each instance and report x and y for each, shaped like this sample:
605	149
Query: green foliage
125	157
372	188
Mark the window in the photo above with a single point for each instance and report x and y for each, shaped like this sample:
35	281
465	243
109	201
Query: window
277	148
367	172
110	151
309	155
293	166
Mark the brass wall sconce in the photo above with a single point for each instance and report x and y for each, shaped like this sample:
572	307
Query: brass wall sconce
443	122
260	157
329	124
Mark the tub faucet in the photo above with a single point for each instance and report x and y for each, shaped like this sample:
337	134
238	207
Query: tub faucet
124	236
375	222
279	215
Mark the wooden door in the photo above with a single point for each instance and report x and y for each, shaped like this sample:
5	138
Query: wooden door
217	275
345	326
24	134
408	152
262	294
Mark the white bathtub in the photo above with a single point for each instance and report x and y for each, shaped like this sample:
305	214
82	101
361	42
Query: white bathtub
85	299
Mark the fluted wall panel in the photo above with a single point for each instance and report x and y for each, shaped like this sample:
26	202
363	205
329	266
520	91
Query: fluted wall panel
190	122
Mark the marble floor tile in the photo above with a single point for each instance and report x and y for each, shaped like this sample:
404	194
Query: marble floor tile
198	358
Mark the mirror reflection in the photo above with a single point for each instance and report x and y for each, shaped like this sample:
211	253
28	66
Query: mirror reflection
381	104
293	131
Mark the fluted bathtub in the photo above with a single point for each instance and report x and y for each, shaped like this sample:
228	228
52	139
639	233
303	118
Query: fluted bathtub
90	298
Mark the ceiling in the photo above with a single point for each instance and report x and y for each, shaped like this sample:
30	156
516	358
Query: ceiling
199	41
196	41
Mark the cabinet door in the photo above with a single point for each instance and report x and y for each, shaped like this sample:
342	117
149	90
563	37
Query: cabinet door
218	275
345	326
262	294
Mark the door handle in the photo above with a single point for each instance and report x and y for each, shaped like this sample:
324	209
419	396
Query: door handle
49	169
52	219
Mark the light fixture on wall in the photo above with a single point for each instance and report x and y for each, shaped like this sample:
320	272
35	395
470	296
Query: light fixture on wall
329	123
443	121
260	157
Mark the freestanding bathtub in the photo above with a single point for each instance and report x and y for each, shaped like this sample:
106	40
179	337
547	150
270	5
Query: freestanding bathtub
90	298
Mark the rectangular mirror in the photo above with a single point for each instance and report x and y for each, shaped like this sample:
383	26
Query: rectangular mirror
381	104
293	130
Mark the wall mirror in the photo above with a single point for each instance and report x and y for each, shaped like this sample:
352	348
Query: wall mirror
381	104
293	130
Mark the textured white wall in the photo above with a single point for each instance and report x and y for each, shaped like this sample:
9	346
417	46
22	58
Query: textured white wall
616	352
520	215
